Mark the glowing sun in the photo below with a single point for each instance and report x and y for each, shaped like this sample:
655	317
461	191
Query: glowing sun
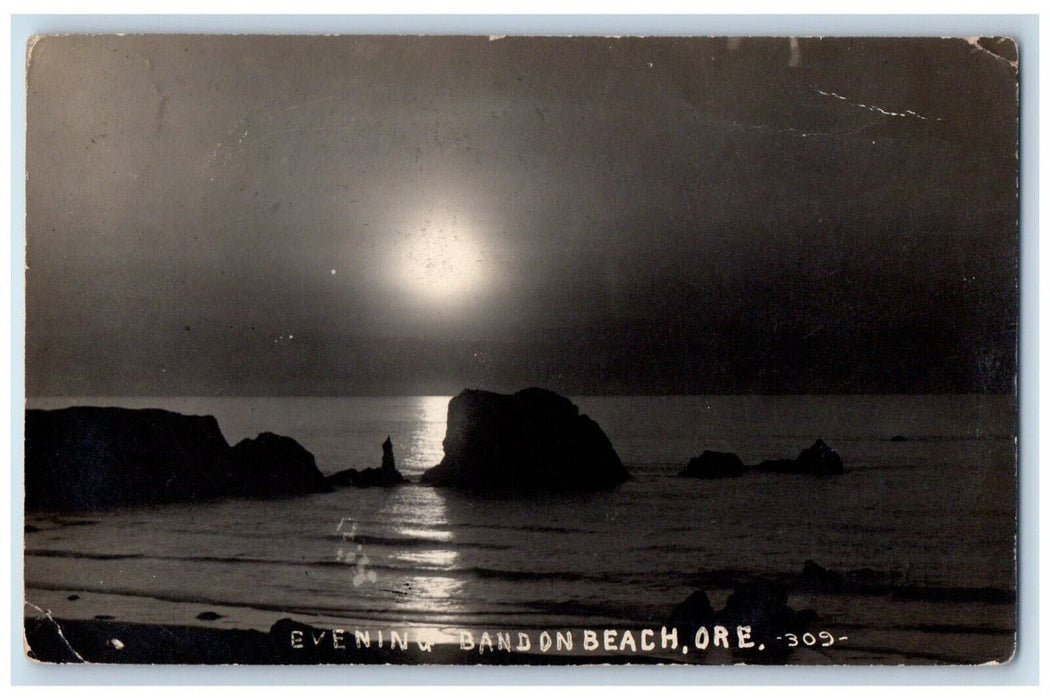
441	264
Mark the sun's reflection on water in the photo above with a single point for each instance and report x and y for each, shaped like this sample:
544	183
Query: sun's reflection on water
428	534
439	559
431	589
422	447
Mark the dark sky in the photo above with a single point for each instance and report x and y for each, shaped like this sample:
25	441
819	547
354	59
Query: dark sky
301	215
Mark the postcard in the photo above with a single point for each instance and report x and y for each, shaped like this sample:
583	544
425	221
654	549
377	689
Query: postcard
521	350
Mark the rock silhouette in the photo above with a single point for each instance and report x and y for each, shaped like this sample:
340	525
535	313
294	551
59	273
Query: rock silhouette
760	605
818	459
693	613
274	465
764	607
386	475
714	465
532	440
94	458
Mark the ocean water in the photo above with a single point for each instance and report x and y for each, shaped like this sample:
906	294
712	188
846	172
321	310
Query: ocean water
936	511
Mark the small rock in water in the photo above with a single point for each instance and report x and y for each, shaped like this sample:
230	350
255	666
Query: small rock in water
819	459
714	465
73	597
209	615
386	475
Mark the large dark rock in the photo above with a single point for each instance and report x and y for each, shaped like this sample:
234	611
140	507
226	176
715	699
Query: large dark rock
764	606
386	475
91	458
816	577
714	465
531	440
274	465
819	459
693	612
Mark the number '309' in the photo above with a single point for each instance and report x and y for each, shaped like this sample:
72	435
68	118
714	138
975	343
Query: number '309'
824	639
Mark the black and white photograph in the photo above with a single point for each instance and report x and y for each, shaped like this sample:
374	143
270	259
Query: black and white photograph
521	350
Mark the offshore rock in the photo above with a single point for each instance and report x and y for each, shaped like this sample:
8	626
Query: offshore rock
529	441
692	613
759	607
764	606
274	465
94	458
386	475
714	465
819	459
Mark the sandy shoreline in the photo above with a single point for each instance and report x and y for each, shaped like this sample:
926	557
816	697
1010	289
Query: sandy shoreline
289	642
106	641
